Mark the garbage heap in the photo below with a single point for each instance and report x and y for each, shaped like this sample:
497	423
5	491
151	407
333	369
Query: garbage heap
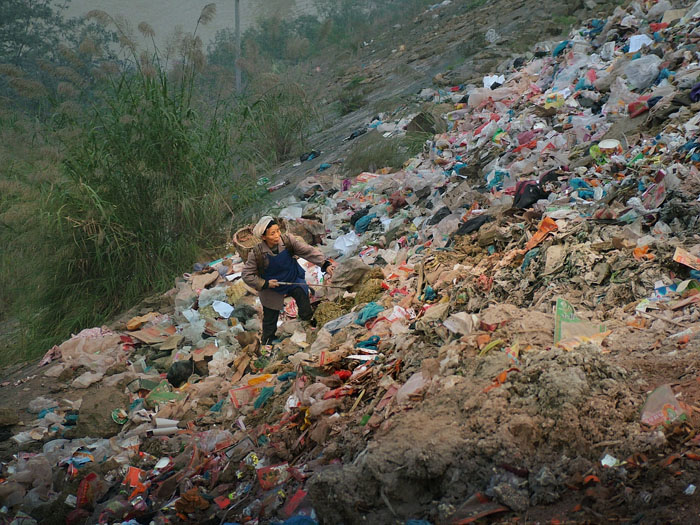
513	323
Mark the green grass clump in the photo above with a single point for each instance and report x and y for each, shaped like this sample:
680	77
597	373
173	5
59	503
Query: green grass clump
372	151
351	99
273	126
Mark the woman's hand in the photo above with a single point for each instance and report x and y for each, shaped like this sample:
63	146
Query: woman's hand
272	283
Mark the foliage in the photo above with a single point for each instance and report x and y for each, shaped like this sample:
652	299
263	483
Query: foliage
351	99
46	59
565	22
344	24
28	163
273	126
221	52
29	29
372	151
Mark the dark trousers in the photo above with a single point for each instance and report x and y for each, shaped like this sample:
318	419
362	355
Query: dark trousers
270	316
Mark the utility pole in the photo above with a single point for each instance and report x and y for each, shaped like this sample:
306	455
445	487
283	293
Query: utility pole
238	46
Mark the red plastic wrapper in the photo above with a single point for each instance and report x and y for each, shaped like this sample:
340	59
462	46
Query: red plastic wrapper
343	374
293	503
270	477
87	491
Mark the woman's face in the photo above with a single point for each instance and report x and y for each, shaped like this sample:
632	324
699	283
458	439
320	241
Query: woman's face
272	235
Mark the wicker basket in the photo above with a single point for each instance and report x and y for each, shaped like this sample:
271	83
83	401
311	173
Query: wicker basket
244	240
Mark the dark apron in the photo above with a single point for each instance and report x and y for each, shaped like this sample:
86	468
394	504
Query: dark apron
284	267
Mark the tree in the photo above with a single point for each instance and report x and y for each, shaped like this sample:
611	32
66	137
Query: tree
30	29
46	58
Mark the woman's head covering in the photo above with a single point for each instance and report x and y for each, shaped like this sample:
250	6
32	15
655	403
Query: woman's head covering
261	226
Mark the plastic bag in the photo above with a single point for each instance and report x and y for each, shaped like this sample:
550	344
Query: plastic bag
350	272
333	326
658	9
185	297
692	12
642	72
479	95
210	295
223	309
36	471
448	225
462	323
607	51
219	364
414	385
40	403
347	243
322	342
291	212
87	379
370	311
192	332
620	96
637	42
490	80
212	439
570	330
662	407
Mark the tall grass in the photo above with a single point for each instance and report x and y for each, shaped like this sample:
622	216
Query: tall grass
28	163
147	182
273	126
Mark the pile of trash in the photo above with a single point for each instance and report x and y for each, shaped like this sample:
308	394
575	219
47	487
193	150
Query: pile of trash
473	353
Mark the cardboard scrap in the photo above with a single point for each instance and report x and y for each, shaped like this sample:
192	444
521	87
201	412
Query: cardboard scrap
172	342
686	258
201	281
240	364
201	354
137	322
672	15
555	257
153	334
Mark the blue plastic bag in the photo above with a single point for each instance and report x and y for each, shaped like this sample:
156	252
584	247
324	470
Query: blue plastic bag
370	311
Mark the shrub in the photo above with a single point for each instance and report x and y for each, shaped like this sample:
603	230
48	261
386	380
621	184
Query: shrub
273	126
351	99
372	151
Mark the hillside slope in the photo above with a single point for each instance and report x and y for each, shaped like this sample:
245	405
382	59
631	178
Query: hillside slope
510	335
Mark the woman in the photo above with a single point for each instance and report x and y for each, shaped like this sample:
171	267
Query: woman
271	263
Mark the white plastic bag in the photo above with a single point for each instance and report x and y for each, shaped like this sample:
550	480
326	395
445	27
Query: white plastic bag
642	72
347	243
87	379
637	42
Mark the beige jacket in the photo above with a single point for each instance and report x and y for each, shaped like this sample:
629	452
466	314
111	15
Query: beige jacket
269	297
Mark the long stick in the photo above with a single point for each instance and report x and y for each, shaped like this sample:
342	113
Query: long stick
307	284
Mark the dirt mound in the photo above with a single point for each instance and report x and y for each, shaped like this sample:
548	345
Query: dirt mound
528	440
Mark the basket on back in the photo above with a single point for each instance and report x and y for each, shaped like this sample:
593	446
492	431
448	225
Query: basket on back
244	240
